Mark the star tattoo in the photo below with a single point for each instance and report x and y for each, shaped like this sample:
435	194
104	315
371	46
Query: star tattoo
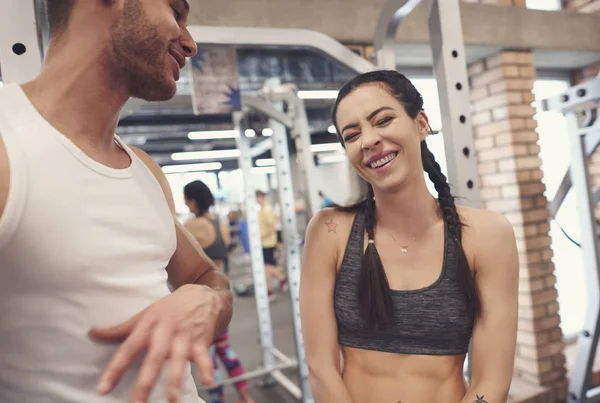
331	226
480	399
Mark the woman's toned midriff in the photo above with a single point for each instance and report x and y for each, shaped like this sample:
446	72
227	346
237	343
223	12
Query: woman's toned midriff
378	377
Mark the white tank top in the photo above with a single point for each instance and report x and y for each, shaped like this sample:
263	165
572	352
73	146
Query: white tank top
81	245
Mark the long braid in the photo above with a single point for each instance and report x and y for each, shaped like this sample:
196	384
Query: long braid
452	219
370	212
445	197
377	307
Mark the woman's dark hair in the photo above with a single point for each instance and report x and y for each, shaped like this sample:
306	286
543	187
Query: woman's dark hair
201	194
374	294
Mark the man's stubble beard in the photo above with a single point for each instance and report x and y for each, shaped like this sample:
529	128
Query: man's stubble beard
138	56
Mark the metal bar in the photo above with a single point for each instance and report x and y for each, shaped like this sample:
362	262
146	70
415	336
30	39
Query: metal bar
591	141
561	194
260	105
588	91
306	161
293	38
300	131
450	69
20	48
588	339
258	265
288	385
291	239
392	14
282	357
256	373
593	395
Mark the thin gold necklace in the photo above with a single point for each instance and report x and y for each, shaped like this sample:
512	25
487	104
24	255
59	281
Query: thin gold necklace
403	248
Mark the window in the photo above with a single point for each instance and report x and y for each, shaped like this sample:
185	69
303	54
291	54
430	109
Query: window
549	5
568	260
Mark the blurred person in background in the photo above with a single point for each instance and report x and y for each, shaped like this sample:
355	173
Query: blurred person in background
214	236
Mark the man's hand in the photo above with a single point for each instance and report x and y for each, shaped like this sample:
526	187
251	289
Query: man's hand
179	328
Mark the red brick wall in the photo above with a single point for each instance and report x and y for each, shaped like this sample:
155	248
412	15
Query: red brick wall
507	149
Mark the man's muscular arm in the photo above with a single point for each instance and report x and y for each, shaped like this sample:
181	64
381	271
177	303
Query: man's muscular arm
189	264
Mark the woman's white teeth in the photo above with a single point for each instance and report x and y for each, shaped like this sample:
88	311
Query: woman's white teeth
383	161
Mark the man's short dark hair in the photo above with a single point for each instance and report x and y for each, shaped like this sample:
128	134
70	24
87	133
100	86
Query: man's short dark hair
58	13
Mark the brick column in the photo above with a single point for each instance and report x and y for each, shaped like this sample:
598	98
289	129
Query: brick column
511	183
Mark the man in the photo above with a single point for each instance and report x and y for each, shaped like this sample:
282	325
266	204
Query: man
89	242
268	237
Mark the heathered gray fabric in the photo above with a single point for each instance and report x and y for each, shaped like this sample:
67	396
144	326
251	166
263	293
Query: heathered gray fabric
433	320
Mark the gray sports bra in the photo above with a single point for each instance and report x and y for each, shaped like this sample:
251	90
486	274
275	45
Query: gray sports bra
434	320
218	250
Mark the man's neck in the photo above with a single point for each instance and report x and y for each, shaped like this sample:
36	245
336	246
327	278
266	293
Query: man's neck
77	95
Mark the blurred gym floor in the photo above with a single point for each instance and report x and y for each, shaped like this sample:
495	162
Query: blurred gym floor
244	339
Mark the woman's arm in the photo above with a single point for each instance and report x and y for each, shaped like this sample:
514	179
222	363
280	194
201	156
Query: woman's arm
495	334
319	326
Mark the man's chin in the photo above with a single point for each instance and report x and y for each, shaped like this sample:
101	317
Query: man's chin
157	92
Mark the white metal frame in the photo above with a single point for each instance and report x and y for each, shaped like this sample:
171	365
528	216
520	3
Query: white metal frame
584	134
271	105
19	31
450	70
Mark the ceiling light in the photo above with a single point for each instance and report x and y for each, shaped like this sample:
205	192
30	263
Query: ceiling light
266	162
264	170
250	133
319	148
331	129
213	135
206	155
318	94
267	132
331	159
175	169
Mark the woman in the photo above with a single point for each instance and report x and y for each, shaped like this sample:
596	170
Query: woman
214	237
401	282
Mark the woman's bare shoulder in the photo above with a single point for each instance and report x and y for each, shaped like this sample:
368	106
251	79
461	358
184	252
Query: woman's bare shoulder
327	233
332	220
484	229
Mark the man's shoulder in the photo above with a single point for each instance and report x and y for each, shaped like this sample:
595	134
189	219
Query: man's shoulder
158	174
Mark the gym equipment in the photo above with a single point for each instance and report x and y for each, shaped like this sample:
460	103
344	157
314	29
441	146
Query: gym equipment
583	100
270	103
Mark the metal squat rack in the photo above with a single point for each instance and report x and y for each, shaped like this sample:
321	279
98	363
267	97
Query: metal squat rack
580	106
